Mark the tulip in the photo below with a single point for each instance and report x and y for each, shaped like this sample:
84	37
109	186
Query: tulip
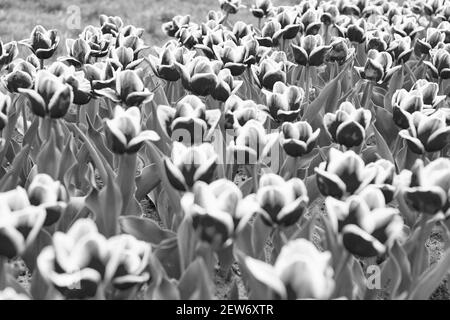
75	263
189	37
433	38
400	48
378	40
269	34
238	112
407	26
252	143
124	58
215	37
428	189
404	104
298	139
367	226
241	30
97	41
253	51
163	65
50	195
76	79
230	6
78	52
189	121
8	52
281	203
11	294
226	85
348	125
284	102
232	57
310	22
211	215
127	266
261	8
21	75
42	43
429	91
123	131
129	90
133	42
171	28
20	222
311	51
440	63
343	174
190	164
268	73
50	96
378	68
384	178
289	25
356	32
426	133
101	75
110	24
199	75
339	52
301	271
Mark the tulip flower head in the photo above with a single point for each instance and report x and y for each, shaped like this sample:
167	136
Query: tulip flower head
42	42
298	138
21	75
284	102
379	67
8	52
311	51
261	8
123	131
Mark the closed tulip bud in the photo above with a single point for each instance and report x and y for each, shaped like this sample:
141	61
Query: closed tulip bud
226	85
127	268
339	52
110	24
8	52
356	33
101	75
426	133
199	75
78	52
129	90
210	214
379	67
50	96
348	125
280	202
289	25
132	42
310	21
343	174
241	29
50	195
189	122
21	75
238	112
261	8
268	73
368	227
440	63
20	222
378	40
301	271
428	190
284	102
75	263
298	139
310	52
252	143
190	164
42	43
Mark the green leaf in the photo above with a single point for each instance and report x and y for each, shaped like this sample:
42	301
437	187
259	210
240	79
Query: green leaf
195	283
42	240
187	242
168	254
260	233
383	148
147	181
49	157
144	229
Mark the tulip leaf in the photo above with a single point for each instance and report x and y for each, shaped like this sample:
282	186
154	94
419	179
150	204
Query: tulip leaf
49	157
244	240
30	135
42	240
226	259
97	138
144	229
385	125
395	83
161	287
168	253
431	278
382	147
187	242
11	178
260	233
39	287
195	283
147	181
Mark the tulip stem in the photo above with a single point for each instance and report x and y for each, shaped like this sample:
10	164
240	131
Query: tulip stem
367	95
24	119
307	83
126	178
3	269
255	177
420	251
41	64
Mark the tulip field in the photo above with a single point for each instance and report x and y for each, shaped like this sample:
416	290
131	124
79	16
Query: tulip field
269	151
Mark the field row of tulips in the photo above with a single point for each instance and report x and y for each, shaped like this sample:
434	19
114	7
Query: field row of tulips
305	157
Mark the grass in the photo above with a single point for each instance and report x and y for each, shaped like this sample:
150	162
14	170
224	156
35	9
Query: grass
18	17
